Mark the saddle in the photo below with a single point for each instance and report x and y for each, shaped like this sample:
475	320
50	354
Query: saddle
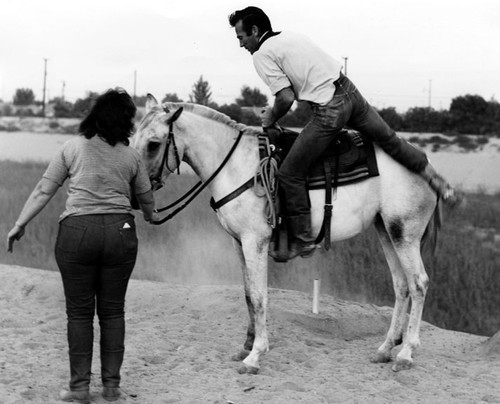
350	158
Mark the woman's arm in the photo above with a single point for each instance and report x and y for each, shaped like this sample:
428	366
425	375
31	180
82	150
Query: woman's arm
41	195
147	205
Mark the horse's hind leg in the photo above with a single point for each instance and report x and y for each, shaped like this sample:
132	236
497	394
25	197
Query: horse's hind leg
398	322
418	282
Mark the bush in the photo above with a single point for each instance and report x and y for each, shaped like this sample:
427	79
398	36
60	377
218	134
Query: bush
438	140
23	112
465	142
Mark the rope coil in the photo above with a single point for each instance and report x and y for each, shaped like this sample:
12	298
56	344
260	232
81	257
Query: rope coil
265	183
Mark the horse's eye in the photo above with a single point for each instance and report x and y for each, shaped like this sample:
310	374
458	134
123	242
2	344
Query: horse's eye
153	146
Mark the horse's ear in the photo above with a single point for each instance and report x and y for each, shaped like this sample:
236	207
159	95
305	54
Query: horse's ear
150	102
175	115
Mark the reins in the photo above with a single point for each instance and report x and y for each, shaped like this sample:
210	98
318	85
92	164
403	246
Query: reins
197	188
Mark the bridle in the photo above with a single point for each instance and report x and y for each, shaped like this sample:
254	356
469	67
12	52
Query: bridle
156	182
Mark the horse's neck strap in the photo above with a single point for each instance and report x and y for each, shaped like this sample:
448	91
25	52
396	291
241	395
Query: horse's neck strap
171	139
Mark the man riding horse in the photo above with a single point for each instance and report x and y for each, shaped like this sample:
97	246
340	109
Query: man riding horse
295	68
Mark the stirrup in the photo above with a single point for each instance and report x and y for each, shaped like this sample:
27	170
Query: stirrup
301	248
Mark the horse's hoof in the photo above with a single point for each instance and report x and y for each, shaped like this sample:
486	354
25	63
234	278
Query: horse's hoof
245	369
240	355
402	364
380	357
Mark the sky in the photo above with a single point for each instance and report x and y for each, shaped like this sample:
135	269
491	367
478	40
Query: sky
399	53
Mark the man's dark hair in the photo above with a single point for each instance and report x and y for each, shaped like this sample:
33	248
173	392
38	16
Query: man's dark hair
249	17
111	117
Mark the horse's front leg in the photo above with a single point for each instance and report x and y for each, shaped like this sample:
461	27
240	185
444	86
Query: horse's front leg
254	250
248	345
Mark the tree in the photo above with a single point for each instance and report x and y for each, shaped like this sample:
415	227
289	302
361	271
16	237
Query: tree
425	119
24	96
251	98
468	113
82	105
493	117
201	93
140	100
171	97
234	111
469	106
392	118
62	108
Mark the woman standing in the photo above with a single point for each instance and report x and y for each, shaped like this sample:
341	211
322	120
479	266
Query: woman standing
96	246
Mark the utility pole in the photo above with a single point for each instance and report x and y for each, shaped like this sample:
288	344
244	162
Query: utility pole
44	85
430	92
345	64
63	87
135	81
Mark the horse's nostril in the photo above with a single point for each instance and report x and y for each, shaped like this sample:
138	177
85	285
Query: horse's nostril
153	146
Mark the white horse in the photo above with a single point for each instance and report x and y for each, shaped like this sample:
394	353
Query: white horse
402	206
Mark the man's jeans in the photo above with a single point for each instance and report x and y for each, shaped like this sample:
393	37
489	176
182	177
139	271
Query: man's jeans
96	255
347	108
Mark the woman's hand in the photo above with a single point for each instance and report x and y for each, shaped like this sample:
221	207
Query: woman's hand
153	218
15	234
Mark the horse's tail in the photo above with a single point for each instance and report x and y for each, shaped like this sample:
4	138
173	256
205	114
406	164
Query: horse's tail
430	237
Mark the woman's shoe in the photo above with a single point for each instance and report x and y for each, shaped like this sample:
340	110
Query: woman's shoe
111	393
75	396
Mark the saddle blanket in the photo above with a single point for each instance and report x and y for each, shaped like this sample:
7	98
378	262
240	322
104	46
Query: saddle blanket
351	157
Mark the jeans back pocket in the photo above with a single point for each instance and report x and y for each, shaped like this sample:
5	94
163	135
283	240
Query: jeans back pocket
69	238
129	239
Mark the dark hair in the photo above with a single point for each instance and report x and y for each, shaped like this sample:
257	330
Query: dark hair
111	117
249	17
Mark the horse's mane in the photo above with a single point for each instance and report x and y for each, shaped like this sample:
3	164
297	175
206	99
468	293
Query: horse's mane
212	114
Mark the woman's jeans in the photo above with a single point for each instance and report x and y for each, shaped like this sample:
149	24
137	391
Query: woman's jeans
347	108
96	255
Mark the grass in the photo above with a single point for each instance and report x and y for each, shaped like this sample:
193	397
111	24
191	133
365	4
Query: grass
193	248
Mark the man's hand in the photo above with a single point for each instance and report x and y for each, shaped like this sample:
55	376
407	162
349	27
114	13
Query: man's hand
267	117
15	234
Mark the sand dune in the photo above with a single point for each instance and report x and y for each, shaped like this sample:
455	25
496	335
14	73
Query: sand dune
180	340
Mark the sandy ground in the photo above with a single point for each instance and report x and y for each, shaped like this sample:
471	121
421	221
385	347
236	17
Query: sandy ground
180	340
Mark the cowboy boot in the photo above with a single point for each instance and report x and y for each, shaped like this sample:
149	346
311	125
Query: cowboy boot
301	239
443	189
